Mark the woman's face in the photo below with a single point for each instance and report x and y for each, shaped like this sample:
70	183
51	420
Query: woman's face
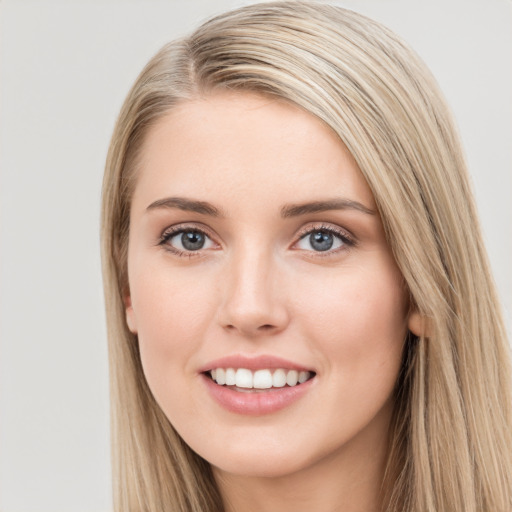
256	252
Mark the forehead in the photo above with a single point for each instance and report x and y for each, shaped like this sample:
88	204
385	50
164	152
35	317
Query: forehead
231	145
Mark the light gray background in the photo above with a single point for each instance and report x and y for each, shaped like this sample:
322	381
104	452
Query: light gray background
65	69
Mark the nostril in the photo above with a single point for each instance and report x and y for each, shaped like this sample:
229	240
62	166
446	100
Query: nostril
261	328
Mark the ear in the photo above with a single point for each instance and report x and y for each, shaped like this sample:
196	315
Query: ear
130	315
417	323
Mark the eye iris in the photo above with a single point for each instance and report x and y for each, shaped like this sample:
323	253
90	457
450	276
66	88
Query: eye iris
321	240
192	240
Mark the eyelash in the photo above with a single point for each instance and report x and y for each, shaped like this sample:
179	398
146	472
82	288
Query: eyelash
176	230
347	239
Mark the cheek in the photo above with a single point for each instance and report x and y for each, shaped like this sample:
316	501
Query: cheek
172	313
359	320
358	326
356	296
169	301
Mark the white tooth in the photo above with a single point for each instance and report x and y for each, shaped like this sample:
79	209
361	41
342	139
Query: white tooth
243	378
303	377
292	377
279	378
230	377
220	376
262	379
213	373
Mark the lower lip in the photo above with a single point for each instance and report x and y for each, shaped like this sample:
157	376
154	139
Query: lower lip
259	402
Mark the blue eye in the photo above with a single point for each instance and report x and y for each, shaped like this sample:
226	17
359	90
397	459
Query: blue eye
322	240
188	240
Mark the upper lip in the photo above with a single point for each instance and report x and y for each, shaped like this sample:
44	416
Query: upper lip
253	363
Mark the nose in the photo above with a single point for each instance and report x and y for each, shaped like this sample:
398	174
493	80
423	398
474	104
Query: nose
254	296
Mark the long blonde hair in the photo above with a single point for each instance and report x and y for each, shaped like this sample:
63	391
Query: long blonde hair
450	446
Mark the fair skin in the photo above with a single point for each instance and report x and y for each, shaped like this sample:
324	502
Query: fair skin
252	278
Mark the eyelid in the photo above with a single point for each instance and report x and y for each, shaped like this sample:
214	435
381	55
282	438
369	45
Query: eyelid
185	226
325	226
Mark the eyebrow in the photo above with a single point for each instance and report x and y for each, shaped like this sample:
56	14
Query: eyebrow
294	210
188	205
287	211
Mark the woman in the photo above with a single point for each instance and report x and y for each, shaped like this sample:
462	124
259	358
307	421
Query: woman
300	308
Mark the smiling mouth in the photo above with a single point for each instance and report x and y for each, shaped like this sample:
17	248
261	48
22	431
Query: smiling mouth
245	380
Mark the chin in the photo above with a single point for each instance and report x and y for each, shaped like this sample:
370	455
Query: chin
259	467
272	456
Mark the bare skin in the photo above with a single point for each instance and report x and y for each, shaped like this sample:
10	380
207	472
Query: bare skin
353	486
254	235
